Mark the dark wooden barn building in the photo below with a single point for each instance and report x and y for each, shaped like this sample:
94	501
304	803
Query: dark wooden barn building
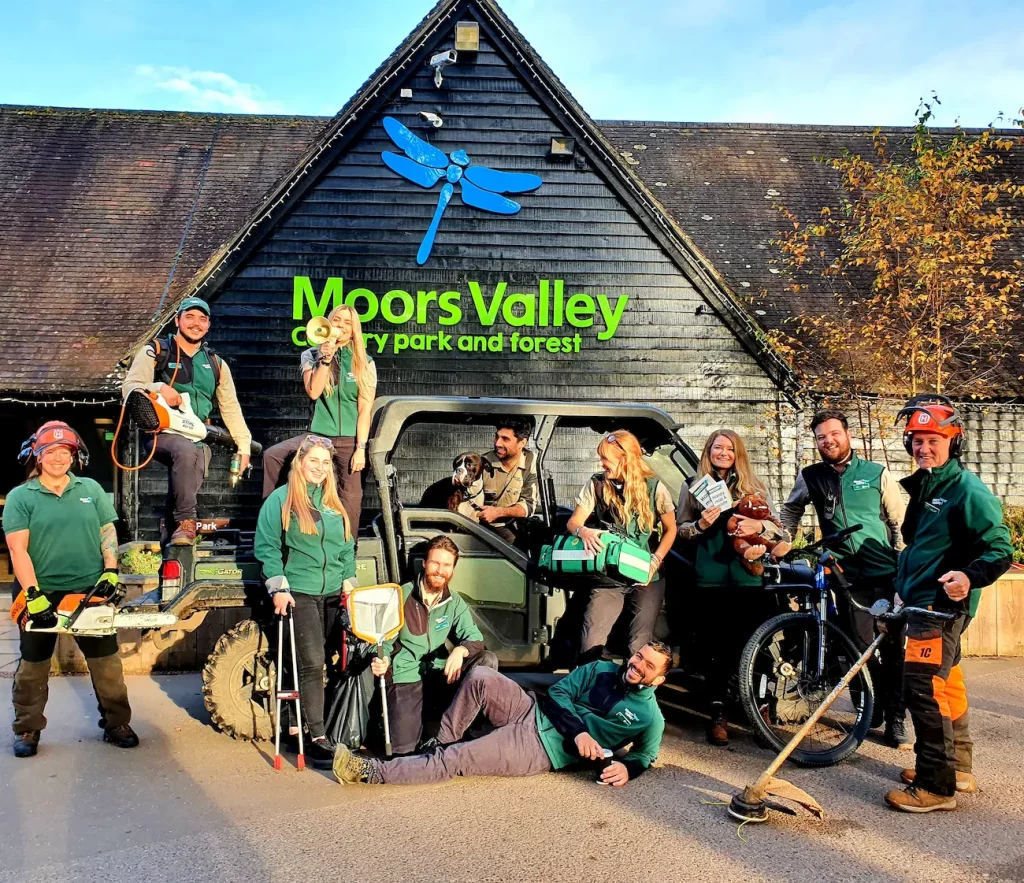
635	253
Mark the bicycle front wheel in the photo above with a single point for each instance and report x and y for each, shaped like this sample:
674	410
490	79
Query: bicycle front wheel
782	682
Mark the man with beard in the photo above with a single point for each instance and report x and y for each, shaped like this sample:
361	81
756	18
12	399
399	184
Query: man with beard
183	362
510	480
424	674
590	714
846	490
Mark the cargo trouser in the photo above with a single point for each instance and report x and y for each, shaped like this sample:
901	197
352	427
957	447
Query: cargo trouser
416	709
186	462
512	749
933	684
886	667
31	680
603	610
350	484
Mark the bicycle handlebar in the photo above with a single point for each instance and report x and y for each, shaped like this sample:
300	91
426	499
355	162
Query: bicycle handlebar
897	613
824	541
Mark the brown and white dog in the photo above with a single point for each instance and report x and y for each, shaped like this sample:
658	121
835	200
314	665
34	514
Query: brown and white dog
463	492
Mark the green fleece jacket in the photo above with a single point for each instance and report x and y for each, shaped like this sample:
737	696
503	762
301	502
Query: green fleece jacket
421	644
314	564
953	522
595	699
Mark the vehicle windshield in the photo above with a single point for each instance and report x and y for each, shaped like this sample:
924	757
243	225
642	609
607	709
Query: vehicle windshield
671	466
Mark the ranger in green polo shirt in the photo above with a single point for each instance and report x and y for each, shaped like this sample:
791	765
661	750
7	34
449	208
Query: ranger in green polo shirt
60	532
846	490
340	382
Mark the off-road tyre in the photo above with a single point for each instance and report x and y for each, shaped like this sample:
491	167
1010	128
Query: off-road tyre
238	682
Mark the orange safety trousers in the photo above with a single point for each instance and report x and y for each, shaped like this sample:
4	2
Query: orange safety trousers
934	690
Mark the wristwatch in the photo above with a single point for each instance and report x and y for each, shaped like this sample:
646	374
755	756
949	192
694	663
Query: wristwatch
360	446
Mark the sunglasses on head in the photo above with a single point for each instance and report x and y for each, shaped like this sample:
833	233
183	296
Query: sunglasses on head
313	441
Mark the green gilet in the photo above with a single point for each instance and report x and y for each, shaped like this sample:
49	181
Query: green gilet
335	413
717	565
869	551
606	515
202	385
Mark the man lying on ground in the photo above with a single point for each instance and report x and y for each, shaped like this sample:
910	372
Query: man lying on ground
598	708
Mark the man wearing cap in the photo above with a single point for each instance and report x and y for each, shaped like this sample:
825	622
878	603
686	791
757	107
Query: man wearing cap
62	540
183	362
956	544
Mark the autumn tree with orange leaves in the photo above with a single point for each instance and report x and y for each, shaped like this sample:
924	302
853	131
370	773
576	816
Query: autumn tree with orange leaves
925	291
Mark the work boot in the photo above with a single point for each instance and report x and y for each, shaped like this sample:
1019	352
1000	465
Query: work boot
122	736
717	732
911	799
895	735
350	769
320	753
26	744
185	533
965	782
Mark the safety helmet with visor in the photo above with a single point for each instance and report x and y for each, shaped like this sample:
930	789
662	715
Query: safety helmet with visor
935	414
52	434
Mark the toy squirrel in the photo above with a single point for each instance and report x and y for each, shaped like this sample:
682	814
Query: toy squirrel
754	506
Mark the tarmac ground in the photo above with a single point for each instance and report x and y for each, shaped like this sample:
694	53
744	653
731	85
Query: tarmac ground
192	805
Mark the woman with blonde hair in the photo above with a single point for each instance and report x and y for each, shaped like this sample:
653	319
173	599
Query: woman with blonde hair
729	602
627	499
305	543
341	382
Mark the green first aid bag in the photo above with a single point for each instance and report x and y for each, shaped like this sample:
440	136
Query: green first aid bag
619	559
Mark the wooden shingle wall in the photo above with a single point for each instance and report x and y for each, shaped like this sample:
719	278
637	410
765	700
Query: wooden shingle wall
364	223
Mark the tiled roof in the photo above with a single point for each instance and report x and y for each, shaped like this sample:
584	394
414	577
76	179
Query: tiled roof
724	185
94	206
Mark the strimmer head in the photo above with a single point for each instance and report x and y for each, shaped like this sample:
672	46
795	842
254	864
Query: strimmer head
747	807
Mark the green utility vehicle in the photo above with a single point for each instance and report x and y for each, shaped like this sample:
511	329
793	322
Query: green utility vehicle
412	443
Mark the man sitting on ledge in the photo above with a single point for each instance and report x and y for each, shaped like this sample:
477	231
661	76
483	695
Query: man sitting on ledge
596	709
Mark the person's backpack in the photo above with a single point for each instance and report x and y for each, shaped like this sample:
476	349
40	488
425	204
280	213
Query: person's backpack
164	349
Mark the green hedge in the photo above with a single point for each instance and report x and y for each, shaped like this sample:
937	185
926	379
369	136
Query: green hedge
1014	518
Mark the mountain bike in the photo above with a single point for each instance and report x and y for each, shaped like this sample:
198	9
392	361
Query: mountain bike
794	661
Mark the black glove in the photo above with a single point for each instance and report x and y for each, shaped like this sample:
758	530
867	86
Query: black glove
108	585
40	610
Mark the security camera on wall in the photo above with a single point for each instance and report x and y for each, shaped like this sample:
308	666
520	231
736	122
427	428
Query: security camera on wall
440	61
428	116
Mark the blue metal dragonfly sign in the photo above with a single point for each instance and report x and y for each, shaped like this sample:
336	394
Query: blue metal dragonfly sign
425	165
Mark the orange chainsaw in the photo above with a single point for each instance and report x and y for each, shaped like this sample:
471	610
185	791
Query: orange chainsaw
89	615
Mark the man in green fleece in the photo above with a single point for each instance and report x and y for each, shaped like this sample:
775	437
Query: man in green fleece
956	544
588	714
424	673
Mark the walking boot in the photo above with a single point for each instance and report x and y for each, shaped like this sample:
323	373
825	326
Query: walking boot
966	783
26	744
185	533
895	735
122	736
351	769
911	799
717	732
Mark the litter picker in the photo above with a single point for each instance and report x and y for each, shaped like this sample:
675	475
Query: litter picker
376	614
291	695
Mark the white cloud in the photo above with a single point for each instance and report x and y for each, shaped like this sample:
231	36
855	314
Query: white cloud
207	90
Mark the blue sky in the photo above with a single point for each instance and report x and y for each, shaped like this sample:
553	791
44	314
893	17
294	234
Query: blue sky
788	61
